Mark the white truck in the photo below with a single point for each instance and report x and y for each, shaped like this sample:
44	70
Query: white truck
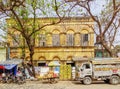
91	70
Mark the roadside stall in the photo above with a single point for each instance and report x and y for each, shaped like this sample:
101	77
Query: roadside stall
52	75
56	66
41	71
10	66
8	69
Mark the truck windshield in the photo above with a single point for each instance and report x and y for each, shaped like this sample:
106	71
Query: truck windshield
87	66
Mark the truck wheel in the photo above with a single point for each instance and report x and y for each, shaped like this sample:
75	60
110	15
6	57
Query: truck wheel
114	80
87	80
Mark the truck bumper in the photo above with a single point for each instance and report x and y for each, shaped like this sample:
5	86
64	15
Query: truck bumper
78	79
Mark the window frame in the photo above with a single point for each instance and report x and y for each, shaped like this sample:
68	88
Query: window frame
42	40
84	42
55	40
70	39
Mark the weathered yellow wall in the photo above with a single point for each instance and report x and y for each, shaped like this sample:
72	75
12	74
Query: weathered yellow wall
63	52
2	53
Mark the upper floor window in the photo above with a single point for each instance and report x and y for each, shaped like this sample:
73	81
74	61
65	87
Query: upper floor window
42	40
56	40
70	39
84	39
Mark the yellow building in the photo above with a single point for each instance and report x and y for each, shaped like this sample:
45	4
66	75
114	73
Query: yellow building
73	37
2	51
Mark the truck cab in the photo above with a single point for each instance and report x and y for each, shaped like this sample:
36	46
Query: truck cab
83	72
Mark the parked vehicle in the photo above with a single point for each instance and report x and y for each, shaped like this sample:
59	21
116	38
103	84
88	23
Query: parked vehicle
106	70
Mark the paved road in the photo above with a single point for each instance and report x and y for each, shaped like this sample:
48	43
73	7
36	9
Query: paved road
59	85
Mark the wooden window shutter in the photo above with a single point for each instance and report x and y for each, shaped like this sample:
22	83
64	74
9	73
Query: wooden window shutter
70	39
42	40
56	40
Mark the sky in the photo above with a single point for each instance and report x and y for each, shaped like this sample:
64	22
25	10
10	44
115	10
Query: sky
95	10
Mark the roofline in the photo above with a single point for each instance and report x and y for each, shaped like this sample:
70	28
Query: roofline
65	18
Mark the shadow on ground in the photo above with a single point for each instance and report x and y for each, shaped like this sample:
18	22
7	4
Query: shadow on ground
94	82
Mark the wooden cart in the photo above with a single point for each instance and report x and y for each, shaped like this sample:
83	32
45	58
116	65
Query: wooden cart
50	77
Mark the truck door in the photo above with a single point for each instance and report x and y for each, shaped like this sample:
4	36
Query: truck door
86	70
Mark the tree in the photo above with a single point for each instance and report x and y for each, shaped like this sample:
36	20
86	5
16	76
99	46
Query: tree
107	21
15	39
24	16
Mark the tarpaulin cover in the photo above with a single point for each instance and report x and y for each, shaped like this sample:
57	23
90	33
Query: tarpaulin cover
9	66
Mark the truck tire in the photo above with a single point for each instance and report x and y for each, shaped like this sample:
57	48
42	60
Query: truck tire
114	80
87	80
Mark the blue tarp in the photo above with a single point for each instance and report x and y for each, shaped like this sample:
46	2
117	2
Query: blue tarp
15	70
9	66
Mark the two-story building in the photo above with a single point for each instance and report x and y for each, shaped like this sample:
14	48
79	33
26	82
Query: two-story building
73	37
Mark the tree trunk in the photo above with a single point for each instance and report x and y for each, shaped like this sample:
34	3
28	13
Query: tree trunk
31	53
31	60
109	50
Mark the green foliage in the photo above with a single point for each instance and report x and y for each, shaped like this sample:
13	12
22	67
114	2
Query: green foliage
24	13
34	8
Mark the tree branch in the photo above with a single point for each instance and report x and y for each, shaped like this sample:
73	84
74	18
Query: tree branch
53	23
116	10
92	16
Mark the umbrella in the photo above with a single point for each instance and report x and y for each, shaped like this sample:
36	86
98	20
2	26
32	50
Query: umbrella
54	63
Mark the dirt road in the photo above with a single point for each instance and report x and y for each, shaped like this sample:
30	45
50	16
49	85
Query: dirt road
59	85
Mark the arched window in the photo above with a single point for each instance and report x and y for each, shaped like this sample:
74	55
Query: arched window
84	38
42	61
42	39
56	38
70	38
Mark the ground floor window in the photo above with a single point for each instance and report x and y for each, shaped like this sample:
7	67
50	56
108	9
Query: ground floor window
41	64
72	64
